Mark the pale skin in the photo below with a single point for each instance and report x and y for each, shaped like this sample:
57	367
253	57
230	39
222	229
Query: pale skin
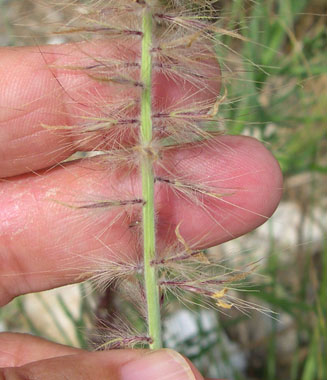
31	231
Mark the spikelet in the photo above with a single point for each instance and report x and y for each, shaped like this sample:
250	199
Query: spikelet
121	99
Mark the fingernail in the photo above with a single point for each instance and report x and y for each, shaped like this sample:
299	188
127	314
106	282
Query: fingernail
160	365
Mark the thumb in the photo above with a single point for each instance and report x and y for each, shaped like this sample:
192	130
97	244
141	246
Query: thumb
164	364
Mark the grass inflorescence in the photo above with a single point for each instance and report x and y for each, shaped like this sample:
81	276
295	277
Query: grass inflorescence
156	91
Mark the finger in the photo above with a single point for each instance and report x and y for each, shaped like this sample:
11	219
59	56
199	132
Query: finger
38	90
113	365
20	349
53	229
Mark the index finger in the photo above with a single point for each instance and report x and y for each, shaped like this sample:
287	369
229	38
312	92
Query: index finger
50	86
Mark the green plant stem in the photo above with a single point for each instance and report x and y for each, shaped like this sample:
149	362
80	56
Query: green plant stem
149	242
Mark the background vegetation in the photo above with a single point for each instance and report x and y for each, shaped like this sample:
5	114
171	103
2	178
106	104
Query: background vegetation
277	92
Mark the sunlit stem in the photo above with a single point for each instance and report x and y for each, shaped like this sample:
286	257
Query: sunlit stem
149	242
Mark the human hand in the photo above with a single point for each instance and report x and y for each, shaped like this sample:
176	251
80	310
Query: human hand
44	245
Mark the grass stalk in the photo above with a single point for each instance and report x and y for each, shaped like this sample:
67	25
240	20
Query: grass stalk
149	243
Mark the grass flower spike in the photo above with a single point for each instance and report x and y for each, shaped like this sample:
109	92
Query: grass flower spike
154	91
